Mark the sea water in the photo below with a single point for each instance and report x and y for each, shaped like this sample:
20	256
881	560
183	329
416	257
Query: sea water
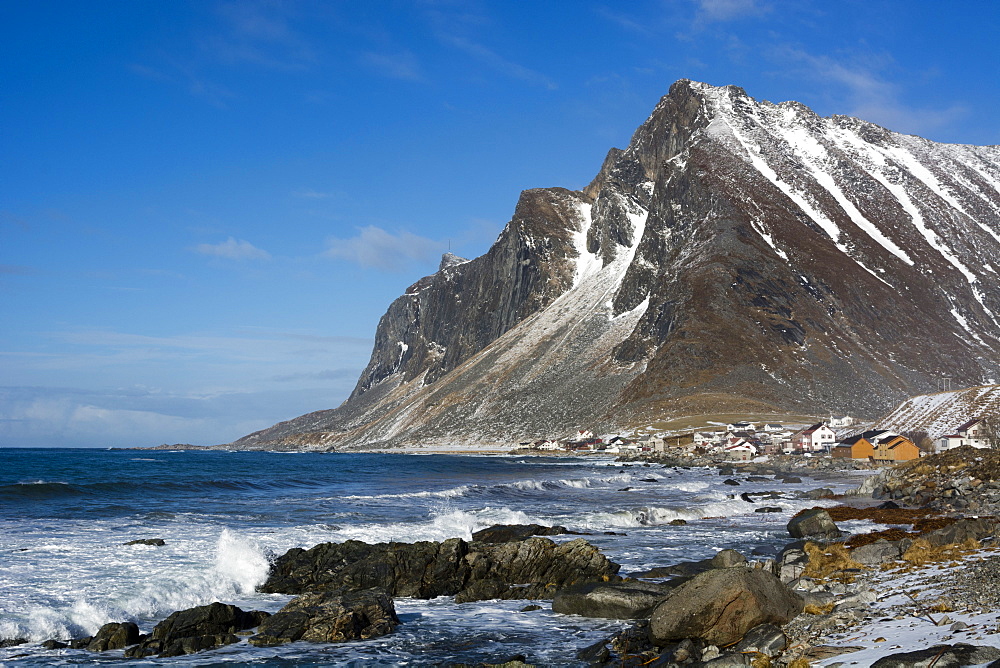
66	514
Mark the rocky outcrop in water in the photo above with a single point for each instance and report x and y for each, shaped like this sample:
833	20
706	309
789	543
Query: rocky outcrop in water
529	569
329	616
196	629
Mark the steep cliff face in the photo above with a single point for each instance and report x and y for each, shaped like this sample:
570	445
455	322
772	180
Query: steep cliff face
736	256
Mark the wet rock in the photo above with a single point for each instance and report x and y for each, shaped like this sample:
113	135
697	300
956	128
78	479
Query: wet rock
532	568
531	608
194	644
80	643
197	629
769	509
730	482
596	654
506	533
54	644
156	542
114	635
791	480
12	642
677	522
888	505
941	656
329	617
614	600
720	606
815	522
816	494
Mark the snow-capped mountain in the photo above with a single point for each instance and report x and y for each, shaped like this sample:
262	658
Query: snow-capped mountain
738	256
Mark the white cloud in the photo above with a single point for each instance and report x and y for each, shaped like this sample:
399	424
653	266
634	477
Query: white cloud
728	10
401	65
872	95
374	247
233	249
309	193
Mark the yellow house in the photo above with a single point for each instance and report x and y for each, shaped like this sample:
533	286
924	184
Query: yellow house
854	448
896	449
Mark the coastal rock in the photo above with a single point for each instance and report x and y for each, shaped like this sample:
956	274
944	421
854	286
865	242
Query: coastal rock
114	635
941	656
196	629
52	643
877	553
155	542
720	606
612	600
329	617
814	522
532	568
508	533
12	642
727	559
961	531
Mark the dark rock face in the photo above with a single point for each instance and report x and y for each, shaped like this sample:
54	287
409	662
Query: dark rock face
197	629
612	600
720	606
738	256
532	568
329	617
155	542
815	522
114	635
507	533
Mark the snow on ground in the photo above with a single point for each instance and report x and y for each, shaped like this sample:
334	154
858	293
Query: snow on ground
896	628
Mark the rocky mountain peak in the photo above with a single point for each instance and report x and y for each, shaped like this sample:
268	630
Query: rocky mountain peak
737	256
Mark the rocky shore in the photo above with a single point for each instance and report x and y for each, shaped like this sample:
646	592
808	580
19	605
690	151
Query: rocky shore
912	583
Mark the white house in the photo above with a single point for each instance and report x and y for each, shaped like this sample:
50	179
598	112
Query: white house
840	421
817	438
741	426
741	451
971	433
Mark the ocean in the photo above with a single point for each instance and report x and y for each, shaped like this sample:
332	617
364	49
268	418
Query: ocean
65	515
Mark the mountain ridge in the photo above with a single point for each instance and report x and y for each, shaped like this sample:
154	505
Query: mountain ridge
737	255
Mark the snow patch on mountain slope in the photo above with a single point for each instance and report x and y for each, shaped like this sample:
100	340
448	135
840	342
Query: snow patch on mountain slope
942	412
587	263
817	160
801	199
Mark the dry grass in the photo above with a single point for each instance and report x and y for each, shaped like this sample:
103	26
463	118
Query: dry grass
800	662
830	561
813	609
922	552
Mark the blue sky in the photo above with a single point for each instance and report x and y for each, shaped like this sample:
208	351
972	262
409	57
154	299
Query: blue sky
206	206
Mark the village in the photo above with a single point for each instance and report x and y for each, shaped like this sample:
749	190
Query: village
840	436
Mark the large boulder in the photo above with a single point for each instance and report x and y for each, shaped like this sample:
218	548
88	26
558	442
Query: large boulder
531	568
329	617
114	635
941	656
720	606
612	600
197	629
961	531
816	522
